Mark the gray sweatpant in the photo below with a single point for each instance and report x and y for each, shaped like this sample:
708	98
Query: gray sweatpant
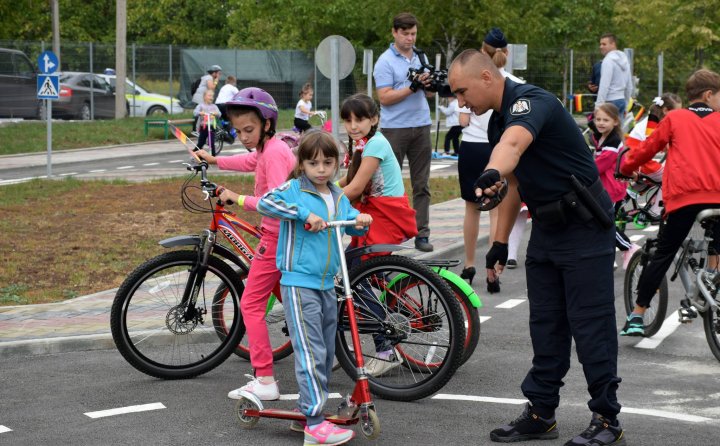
311	317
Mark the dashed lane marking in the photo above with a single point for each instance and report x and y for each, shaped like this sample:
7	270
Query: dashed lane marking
176	161
510	303
636	237
68	174
4	429
124	410
151	164
97	171
668	327
124	167
485	318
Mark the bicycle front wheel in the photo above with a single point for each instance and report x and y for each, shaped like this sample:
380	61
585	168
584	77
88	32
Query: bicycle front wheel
655	313
401	302
161	334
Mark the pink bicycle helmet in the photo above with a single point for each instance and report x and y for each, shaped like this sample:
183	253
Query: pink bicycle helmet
258	99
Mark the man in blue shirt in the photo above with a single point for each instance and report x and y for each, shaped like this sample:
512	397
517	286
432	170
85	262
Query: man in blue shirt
405	116
538	148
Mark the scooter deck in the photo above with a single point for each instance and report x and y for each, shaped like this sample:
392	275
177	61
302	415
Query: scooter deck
293	415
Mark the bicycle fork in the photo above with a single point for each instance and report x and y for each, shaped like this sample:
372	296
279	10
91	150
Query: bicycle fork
196	278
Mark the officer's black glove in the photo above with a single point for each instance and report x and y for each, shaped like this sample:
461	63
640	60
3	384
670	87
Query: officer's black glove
486	180
498	253
416	85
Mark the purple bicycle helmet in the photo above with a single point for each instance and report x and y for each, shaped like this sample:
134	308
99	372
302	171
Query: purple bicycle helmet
258	99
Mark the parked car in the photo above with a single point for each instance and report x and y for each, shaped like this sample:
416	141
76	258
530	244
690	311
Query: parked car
80	93
144	103
18	86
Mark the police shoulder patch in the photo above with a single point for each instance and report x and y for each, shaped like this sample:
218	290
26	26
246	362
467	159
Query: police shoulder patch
520	107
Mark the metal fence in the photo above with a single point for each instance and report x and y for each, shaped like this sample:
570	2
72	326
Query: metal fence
562	72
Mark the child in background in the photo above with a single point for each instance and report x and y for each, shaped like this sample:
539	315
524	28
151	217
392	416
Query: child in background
309	262
254	114
303	109
607	120
226	93
452	112
374	183
205	115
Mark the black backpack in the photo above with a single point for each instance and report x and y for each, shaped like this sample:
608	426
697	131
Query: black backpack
194	86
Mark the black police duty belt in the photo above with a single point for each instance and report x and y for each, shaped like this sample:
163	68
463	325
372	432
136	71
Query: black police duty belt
581	201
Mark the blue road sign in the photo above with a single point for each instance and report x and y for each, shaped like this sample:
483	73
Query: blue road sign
48	86
48	62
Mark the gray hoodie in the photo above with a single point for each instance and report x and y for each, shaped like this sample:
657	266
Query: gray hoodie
615	78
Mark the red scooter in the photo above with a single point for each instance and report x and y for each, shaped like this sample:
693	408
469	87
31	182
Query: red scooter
355	407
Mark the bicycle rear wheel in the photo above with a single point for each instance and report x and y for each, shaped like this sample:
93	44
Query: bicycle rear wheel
711	323
275	320
655	313
407	304
164	337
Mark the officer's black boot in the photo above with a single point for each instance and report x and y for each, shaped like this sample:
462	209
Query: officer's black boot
601	432
528	426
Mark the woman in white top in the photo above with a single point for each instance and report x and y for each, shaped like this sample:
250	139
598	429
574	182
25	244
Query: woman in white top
473	157
303	109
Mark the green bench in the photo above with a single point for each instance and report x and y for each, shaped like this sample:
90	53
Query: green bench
163	122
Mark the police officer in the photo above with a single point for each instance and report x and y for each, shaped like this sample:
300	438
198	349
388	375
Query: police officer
539	149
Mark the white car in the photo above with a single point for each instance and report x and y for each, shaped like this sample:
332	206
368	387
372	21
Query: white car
144	103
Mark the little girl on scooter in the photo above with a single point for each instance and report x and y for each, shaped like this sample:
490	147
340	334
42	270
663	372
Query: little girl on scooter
309	263
374	184
253	113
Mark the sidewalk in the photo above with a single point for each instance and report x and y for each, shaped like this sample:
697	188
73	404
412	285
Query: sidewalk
83	323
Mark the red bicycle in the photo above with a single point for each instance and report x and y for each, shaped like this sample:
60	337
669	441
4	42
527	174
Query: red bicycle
178	314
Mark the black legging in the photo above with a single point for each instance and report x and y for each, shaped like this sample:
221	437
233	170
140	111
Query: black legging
670	238
302	125
453	135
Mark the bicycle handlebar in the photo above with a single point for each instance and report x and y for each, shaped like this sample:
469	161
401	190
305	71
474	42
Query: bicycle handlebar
640	176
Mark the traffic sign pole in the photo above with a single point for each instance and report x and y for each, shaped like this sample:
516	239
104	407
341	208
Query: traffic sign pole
48	88
48	103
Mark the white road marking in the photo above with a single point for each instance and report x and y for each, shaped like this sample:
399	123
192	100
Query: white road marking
649	412
665	414
4	429
151	164
651	228
97	170
176	161
510	303
485	318
69	173
636	237
481	399
668	327
437	167
124	167
124	410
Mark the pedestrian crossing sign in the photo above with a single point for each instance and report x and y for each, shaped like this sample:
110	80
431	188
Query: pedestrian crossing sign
48	86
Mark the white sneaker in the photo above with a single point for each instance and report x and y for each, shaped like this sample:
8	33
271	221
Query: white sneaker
627	255
378	366
266	392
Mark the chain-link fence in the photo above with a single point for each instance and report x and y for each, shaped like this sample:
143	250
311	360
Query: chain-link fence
160	68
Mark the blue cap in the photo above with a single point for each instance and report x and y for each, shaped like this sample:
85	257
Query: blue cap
495	38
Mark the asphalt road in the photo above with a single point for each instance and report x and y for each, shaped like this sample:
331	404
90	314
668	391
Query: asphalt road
670	393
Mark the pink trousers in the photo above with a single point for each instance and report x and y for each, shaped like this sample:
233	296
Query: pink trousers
263	276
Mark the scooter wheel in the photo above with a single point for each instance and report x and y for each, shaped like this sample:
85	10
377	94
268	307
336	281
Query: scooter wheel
246	421
370	425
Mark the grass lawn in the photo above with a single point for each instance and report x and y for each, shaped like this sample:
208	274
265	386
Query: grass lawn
66	238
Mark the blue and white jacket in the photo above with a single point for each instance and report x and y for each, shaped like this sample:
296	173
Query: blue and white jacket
306	259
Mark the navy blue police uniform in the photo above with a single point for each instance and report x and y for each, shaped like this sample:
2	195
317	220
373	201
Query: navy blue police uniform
570	254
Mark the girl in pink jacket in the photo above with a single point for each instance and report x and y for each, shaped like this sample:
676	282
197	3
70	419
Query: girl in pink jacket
253	113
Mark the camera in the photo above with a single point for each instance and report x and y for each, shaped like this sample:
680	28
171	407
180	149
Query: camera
438	78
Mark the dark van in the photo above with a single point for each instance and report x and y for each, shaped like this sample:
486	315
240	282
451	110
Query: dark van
18	86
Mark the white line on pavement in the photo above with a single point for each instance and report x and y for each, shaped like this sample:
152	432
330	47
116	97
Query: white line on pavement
151	164
649	412
636	237
651	228
668	327
97	171
21	180
437	167
69	173
664	414
484	318
124	410
4	429
176	161
124	167
510	303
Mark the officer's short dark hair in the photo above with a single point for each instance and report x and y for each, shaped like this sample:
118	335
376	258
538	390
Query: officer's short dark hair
404	20
610	36
701	81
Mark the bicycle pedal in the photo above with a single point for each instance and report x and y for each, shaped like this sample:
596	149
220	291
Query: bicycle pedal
686	315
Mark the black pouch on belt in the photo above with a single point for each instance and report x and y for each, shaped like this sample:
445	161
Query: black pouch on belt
588	200
577	207
551	214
